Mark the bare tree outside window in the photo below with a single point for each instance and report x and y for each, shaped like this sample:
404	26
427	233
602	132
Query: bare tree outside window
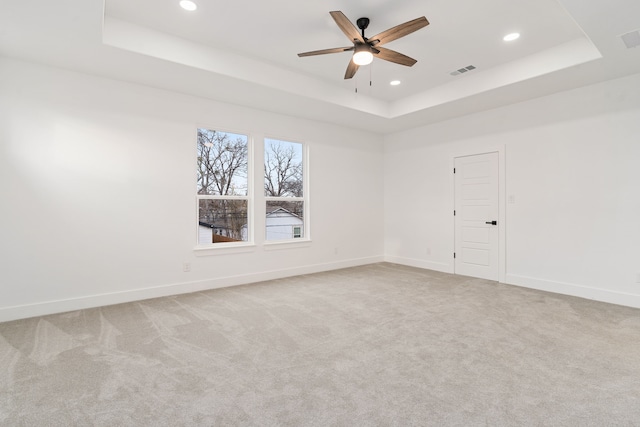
282	169
222	187
222	163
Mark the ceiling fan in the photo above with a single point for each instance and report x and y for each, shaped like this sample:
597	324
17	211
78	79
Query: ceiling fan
365	49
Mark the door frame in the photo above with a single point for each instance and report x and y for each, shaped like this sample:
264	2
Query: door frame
502	241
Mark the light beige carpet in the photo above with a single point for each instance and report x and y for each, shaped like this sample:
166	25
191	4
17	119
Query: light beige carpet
380	345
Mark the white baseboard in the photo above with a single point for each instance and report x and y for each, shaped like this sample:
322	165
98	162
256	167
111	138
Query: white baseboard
100	300
428	265
597	294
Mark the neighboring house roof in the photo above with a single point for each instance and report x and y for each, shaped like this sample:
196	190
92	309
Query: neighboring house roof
278	210
208	225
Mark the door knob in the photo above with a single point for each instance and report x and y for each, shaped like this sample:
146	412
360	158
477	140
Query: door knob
492	222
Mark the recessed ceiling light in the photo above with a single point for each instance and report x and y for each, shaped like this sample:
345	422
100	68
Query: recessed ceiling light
511	37
188	5
394	82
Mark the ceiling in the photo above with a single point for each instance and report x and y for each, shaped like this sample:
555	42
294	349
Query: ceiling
244	52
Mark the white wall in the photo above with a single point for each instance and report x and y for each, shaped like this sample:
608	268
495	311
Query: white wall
82	153
572	162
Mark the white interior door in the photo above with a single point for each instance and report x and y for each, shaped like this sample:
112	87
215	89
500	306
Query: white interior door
476	216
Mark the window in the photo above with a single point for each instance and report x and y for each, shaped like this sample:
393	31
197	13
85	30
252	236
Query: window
222	187
284	190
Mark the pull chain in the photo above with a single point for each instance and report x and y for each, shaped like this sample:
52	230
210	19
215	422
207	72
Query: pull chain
356	79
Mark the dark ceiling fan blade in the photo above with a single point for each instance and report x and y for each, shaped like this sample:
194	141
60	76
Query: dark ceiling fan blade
325	51
351	70
346	26
398	31
393	56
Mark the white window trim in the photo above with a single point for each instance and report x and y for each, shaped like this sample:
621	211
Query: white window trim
286	244
227	248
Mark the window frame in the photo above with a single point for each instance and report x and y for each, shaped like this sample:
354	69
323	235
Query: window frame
305	239
242	246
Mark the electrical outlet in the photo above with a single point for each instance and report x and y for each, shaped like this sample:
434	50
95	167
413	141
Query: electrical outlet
335	250
186	267
428	251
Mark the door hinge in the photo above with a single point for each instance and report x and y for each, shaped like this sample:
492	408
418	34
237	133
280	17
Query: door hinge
454	170
454	212
454	254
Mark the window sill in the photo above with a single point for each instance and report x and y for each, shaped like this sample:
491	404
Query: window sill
224	249
288	244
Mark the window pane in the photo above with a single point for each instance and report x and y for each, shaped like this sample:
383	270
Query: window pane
282	168
284	220
222	163
221	221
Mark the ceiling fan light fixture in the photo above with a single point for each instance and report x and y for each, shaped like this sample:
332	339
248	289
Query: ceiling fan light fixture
362	55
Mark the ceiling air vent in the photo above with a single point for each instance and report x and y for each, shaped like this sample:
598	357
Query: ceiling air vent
631	39
462	70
